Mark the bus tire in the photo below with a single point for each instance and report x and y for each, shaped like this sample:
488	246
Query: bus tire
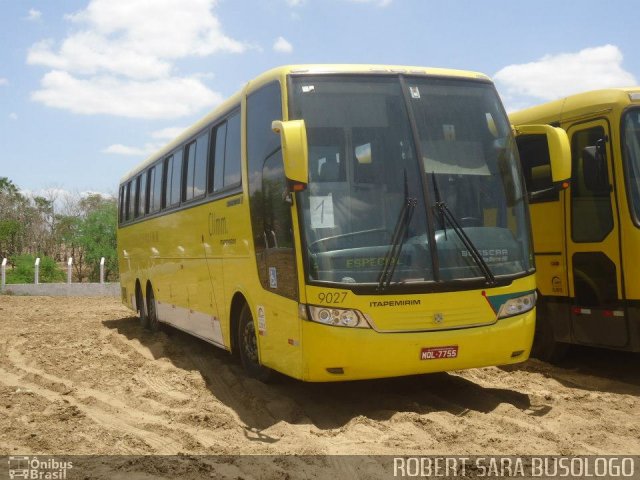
152	313
545	346
142	311
248	347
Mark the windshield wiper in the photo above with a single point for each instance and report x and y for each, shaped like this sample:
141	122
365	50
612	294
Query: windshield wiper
398	237
448	216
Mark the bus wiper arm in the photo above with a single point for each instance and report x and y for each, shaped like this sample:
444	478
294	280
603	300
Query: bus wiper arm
398	237
475	254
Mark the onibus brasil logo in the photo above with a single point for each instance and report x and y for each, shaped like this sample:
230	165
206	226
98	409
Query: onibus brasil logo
35	468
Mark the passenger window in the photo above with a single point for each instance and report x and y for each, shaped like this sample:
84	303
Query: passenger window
196	167
142	191
121	204
155	189
176	172
591	212
232	152
131	199
216	175
200	168
189	161
168	170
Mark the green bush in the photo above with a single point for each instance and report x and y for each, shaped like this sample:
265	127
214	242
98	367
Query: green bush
24	269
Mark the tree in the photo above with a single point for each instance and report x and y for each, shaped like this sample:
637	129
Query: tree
97	236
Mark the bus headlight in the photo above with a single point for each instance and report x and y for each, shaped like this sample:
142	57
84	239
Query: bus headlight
338	317
518	305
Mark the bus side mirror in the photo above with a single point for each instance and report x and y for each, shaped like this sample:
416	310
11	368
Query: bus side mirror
559	149
295	156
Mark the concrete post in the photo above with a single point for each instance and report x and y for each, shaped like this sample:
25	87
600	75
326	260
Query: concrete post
102	270
36	278
69	264
3	274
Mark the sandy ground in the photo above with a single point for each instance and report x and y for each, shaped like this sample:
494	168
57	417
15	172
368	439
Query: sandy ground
79	376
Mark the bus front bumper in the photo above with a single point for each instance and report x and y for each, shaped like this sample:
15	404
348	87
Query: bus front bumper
338	353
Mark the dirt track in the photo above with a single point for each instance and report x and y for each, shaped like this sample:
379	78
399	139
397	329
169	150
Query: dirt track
79	376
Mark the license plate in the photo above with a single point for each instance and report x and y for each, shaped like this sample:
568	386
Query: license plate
436	353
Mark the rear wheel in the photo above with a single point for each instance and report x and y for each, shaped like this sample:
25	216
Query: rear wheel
152	314
248	347
142	311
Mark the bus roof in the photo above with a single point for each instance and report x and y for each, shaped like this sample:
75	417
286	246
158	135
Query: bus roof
279	73
576	106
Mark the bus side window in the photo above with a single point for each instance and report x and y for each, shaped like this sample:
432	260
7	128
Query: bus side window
155	189
121	204
167	167
216	162
195	168
132	199
187	172
149	197
176	177
141	183
232	152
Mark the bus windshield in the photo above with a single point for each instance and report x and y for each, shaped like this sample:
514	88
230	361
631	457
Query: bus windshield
394	163
631	132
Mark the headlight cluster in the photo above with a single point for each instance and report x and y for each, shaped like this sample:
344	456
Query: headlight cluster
516	306
338	317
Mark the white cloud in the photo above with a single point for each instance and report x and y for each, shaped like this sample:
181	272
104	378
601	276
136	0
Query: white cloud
168	133
116	36
119	149
282	45
34	15
379	3
295	3
556	76
162	98
119	59
13	116
3	82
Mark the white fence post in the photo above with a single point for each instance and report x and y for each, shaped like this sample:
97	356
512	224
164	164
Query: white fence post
102	270
3	273
69	263
36	278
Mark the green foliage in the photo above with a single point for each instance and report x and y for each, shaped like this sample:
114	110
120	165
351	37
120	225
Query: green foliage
24	270
85	229
97	236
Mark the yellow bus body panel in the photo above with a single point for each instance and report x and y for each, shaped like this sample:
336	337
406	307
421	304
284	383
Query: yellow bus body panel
200	259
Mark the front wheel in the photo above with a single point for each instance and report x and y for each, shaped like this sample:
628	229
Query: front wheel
248	348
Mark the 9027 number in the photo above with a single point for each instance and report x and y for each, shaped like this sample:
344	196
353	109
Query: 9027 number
332	297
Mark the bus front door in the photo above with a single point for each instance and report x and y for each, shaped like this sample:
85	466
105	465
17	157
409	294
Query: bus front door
593	240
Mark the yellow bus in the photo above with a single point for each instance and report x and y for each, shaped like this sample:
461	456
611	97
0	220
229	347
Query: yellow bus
587	237
340	222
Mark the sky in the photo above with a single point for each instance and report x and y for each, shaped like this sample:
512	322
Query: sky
89	88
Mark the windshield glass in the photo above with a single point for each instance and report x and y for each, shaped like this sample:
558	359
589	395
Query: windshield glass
365	167
631	134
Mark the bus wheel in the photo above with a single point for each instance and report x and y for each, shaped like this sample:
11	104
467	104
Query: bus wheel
248	347
545	346
152	314
142	311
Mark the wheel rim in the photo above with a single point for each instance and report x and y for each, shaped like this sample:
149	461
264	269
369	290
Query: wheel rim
249	343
